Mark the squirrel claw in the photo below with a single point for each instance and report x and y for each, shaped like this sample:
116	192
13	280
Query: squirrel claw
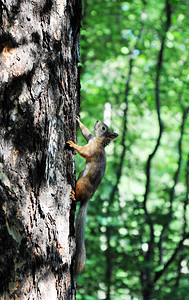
70	143
73	196
78	120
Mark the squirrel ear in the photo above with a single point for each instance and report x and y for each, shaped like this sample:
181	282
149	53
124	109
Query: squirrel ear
112	135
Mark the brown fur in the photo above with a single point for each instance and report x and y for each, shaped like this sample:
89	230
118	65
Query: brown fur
89	178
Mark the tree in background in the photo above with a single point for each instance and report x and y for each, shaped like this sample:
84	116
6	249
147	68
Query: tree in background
39	99
135	57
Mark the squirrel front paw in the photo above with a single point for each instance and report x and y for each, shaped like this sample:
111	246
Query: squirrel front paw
70	143
78	120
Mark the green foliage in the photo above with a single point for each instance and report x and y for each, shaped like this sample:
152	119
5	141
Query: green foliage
122	255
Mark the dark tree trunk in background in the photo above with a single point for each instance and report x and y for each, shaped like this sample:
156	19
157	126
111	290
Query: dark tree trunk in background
39	99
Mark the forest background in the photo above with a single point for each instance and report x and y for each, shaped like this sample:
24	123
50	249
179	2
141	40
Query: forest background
135	77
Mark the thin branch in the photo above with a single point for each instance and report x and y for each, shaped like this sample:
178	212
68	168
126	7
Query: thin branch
172	193
178	277
144	2
158	107
119	172
186	202
185	113
151	156
127	89
158	274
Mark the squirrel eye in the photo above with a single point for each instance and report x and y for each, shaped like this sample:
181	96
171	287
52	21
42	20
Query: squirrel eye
103	128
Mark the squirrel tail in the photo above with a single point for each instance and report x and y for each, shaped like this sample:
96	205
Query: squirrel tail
80	235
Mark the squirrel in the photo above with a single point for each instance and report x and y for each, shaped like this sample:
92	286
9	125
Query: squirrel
89	178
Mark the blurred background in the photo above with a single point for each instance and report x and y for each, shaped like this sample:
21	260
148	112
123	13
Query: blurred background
135	77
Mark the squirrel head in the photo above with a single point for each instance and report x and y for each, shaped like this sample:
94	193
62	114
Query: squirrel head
103	133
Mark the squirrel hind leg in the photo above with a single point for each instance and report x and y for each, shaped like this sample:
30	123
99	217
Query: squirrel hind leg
83	190
73	196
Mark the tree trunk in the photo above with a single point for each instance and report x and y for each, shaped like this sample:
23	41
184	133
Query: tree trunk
147	292
39	99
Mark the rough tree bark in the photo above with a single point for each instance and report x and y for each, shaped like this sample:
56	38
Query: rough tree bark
39	98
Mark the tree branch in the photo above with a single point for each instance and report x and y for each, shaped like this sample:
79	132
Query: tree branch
119	172
127	89
149	221
172	193
186	202
158	107
158	274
